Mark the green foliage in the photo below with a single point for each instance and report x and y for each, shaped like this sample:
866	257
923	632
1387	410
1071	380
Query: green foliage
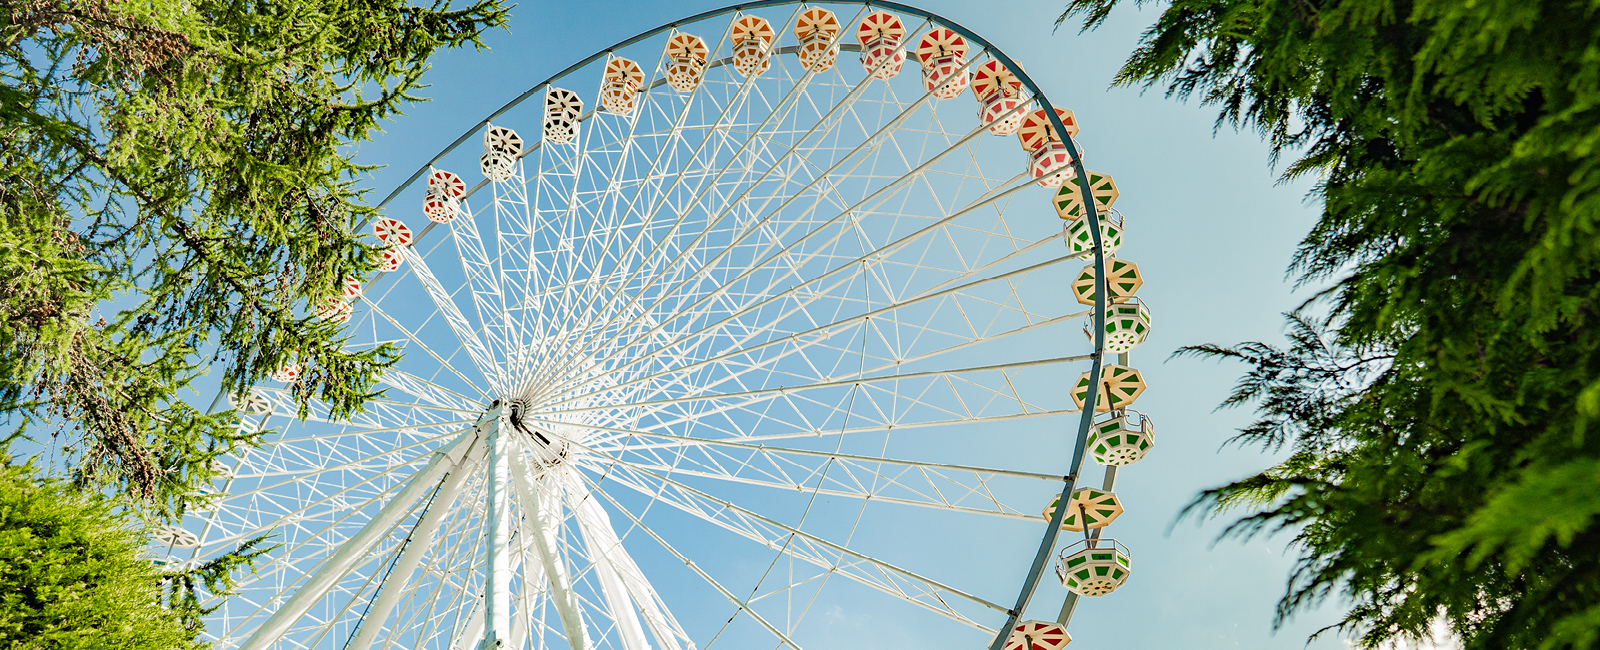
1438	410
73	573
188	588
174	194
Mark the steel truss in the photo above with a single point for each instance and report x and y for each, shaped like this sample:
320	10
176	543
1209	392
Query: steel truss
759	290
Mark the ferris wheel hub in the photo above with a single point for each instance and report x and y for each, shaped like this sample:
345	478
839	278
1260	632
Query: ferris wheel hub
548	448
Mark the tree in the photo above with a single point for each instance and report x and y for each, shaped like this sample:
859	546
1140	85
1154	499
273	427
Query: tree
73	573
1437	393
175	193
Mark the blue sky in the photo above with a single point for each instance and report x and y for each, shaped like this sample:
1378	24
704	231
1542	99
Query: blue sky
1208	224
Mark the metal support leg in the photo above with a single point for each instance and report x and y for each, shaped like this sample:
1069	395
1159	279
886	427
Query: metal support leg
421	542
353	551
543	514
497	578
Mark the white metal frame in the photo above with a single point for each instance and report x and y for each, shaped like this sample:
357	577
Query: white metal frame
815	258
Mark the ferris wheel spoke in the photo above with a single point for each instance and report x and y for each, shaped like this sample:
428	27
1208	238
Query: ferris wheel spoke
247	486
375	464
443	571
743	606
460	638
447	428
467	336
783	106
374	302
440	575
412	337
866	147
701	419
885	338
627	150
729	419
869	571
599	534
609	444
880	253
674	441
971	495
619	602
752	396
323	625
353	436
287	570
376	413
446	615
677	180
651	101
786	253
539	528
351	551
858	265
672	264
379	416
930	398
515	264
488	298
528	595
840	327
428	391
550	243
957	488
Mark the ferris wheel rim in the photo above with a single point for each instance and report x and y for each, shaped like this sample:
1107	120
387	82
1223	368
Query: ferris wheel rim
1028	83
1036	571
1037	96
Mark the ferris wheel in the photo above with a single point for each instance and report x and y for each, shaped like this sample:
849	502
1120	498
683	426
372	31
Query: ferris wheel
717	334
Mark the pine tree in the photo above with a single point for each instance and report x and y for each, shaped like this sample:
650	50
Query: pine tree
1437	394
176	194
73	573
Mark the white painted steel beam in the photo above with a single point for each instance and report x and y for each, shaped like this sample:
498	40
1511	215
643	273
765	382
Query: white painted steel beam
354	551
820	332
742	605
600	547
543	514
532	578
601	538
497	579
755	395
390	592
457	322
865	569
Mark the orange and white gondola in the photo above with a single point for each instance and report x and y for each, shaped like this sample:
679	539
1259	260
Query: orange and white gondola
619	86
817	29
686	55
1048	159
752	38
